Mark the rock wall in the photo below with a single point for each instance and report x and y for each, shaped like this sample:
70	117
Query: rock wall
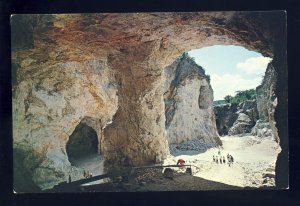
188	104
247	117
48	103
235	119
266	105
225	117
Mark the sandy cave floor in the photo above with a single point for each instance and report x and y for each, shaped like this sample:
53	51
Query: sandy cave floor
92	163
253	158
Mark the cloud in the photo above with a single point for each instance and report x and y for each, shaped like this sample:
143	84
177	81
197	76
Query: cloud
227	84
254	65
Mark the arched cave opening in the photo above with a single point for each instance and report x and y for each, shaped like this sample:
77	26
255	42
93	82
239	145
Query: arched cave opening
82	143
240	82
197	83
209	74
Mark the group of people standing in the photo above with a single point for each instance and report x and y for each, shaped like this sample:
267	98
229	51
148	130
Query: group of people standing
218	159
221	159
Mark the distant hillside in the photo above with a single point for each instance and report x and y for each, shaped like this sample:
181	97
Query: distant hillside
217	102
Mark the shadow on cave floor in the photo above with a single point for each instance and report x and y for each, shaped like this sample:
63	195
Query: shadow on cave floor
152	179
177	152
185	182
184	149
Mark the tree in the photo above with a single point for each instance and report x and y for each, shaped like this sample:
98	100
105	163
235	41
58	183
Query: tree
241	96
208	77
228	98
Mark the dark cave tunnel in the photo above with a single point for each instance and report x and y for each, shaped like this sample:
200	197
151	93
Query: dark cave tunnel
83	142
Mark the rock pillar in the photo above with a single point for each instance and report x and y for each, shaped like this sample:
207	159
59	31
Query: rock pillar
137	133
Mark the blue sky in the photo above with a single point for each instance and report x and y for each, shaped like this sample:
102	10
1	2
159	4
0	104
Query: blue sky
231	68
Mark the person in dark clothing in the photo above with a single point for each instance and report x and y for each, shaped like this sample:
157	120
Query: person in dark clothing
224	160
214	158
70	179
217	160
230	159
221	160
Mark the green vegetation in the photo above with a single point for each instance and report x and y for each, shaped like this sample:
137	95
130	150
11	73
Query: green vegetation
241	96
186	55
218	102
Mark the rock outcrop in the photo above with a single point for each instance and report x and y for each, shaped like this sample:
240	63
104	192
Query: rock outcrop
255	117
188	104
235	119
109	67
241	126
247	117
225	117
266	105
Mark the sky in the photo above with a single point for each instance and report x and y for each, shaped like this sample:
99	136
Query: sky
231	68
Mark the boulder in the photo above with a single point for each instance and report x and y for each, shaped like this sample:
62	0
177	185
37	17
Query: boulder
241	126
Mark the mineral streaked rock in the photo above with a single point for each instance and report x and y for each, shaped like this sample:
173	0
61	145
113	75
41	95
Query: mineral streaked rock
266	104
188	104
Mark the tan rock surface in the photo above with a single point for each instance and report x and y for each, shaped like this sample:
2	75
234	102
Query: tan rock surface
266	105
188	103
48	106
